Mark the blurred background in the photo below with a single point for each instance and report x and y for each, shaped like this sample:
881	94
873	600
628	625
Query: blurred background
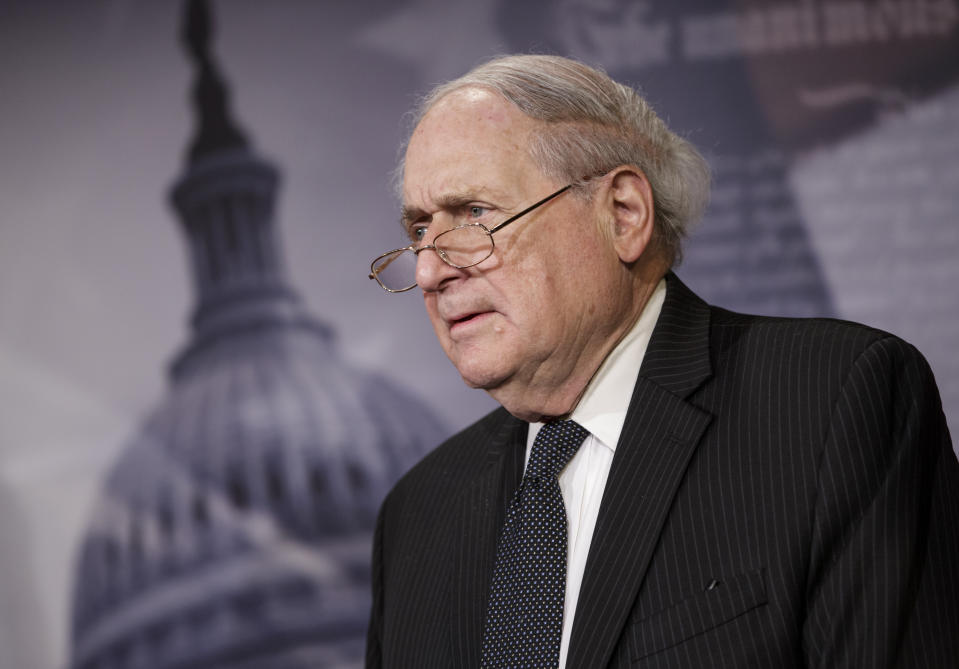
202	397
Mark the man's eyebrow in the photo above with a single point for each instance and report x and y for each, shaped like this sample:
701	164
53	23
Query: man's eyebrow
408	214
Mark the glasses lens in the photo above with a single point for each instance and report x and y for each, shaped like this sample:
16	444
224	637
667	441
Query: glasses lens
397	270
466	245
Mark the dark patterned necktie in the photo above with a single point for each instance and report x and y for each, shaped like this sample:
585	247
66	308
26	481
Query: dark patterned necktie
524	619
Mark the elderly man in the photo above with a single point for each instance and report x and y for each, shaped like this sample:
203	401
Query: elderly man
667	484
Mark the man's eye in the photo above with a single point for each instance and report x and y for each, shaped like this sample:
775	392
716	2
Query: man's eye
417	233
477	212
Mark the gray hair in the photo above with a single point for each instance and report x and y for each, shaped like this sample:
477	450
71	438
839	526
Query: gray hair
593	124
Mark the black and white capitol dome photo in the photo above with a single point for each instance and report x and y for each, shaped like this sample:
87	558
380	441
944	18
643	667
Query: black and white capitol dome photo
234	530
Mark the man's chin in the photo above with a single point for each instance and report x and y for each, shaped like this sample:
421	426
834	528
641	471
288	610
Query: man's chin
481	383
481	378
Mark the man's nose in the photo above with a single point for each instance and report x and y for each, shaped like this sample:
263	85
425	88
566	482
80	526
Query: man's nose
432	272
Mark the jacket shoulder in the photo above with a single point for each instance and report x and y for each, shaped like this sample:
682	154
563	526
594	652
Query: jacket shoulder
457	459
841	340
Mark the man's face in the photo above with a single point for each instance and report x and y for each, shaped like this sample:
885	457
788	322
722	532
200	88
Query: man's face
531	315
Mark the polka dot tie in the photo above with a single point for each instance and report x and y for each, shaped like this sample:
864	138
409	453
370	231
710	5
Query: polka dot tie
524	620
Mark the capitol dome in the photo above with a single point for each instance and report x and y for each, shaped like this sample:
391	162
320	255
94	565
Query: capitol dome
235	528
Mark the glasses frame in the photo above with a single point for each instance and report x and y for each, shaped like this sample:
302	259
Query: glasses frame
442	253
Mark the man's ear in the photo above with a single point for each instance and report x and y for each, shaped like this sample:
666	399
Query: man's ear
628	200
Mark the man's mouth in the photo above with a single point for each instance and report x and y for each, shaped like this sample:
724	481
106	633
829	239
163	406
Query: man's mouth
467	319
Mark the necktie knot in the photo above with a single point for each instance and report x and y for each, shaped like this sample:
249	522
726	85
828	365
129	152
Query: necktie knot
554	446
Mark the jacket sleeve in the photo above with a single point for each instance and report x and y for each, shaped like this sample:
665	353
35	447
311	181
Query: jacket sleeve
883	578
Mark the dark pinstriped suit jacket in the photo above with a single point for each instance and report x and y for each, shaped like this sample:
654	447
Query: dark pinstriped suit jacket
784	494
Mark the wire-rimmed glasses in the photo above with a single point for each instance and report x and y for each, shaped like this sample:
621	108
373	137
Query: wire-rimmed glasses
460	247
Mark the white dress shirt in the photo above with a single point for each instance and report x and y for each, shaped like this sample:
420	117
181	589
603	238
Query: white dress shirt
602	411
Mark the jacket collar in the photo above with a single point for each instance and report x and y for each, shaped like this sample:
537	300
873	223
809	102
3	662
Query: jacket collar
677	358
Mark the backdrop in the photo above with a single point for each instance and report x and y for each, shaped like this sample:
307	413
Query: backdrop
203	398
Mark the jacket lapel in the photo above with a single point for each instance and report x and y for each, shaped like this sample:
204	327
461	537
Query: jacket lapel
482	510
658	439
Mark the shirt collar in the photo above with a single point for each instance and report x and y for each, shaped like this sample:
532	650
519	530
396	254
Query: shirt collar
602	408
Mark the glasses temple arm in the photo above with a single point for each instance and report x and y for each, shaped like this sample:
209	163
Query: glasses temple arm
530	208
